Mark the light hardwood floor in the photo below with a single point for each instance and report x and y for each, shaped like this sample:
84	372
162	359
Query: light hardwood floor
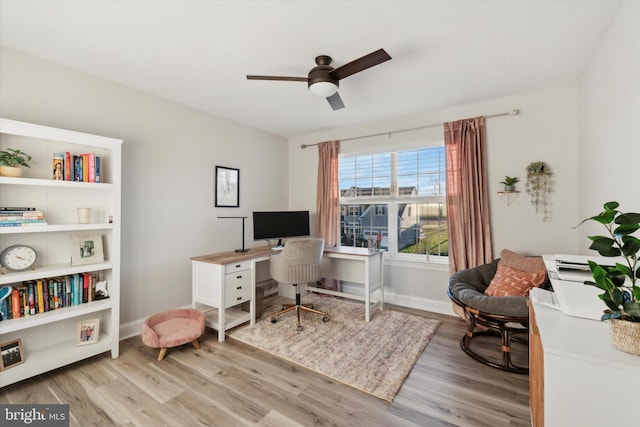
231	384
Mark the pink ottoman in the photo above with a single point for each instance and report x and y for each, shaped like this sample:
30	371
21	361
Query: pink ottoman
172	328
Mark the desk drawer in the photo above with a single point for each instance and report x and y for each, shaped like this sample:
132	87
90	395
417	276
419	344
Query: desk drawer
237	266
237	287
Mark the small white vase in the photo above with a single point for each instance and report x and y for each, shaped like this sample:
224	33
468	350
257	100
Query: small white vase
10	171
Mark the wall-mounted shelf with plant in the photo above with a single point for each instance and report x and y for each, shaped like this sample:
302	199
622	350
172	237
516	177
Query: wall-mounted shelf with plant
619	282
539	186
510	182
509	194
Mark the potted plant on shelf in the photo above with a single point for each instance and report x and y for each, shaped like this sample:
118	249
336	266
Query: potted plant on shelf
12	161
620	282
510	182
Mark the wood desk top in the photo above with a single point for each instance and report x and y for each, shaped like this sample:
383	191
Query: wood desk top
265	251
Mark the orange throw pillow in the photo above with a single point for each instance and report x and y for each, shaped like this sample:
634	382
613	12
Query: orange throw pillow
511	282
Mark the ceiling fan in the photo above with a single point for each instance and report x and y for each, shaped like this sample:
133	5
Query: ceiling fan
323	79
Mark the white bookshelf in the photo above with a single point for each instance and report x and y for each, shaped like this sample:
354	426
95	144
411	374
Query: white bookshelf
49	339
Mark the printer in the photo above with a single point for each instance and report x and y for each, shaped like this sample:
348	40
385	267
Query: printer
568	274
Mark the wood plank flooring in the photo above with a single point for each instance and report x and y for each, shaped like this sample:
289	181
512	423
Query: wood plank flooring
231	384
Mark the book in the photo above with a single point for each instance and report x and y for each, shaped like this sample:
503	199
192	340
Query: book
45	295
16	209
98	178
15	303
58	166
85	167
85	287
77	168
31	298
67	290
4	309
89	162
15	215
23	223
40	294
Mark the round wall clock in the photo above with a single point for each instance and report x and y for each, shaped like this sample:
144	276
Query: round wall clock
18	257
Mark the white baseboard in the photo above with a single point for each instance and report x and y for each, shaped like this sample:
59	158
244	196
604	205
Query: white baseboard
436	306
133	328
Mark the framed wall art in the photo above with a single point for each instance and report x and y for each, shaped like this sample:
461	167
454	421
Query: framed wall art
227	187
86	249
88	332
12	355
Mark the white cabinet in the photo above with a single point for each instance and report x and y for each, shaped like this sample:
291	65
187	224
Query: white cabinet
220	282
49	339
578	378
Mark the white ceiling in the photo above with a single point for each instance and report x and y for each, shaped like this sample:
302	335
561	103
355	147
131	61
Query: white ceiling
198	53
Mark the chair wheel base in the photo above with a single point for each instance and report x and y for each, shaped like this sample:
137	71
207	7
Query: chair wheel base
325	319
299	328
274	320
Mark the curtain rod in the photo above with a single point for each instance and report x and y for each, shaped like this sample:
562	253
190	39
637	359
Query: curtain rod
509	113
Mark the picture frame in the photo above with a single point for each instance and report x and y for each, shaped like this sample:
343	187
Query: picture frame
12	354
88	332
227	187
86	249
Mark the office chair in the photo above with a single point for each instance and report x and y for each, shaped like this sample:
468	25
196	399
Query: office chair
298	263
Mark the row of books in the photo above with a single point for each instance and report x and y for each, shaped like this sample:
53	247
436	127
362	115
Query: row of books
21	217
82	167
43	295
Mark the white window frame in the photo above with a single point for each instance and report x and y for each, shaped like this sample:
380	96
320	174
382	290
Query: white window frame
391	204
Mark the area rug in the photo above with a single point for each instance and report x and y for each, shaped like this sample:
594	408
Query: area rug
374	356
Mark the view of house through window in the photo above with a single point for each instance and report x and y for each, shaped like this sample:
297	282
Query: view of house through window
395	201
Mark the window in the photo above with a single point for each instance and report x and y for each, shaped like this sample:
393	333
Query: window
398	197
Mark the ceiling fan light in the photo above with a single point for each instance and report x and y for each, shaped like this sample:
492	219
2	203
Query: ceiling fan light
323	89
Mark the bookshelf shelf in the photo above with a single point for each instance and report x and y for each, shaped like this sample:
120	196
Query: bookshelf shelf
53	270
51	183
54	316
40	360
49	339
52	228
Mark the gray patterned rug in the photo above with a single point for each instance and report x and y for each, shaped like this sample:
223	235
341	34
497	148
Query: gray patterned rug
374	356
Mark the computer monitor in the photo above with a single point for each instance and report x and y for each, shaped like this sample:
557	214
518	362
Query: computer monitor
280	224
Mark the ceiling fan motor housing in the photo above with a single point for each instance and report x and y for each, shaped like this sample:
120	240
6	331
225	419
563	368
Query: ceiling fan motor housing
322	72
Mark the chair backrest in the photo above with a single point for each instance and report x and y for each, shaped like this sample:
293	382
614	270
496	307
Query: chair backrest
298	262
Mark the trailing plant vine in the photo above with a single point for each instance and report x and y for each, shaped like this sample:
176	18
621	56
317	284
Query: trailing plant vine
538	186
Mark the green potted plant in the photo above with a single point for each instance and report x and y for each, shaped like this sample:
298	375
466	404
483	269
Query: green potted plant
12	161
509	182
538	186
620	282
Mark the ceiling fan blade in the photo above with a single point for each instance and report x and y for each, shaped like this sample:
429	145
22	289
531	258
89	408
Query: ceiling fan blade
361	64
280	78
336	102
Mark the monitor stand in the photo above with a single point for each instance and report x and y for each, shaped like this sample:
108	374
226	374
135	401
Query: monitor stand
279	245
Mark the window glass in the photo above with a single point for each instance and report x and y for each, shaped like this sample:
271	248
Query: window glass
408	184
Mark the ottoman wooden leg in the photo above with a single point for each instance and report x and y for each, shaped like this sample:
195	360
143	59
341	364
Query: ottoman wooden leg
163	352
195	343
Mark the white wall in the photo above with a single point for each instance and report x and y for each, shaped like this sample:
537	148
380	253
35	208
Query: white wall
170	152
609	144
545	130
169	155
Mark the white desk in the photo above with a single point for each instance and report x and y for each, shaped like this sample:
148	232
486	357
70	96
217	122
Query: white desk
582	379
358	265
222	281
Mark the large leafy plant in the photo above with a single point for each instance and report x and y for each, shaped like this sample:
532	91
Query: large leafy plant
622	300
